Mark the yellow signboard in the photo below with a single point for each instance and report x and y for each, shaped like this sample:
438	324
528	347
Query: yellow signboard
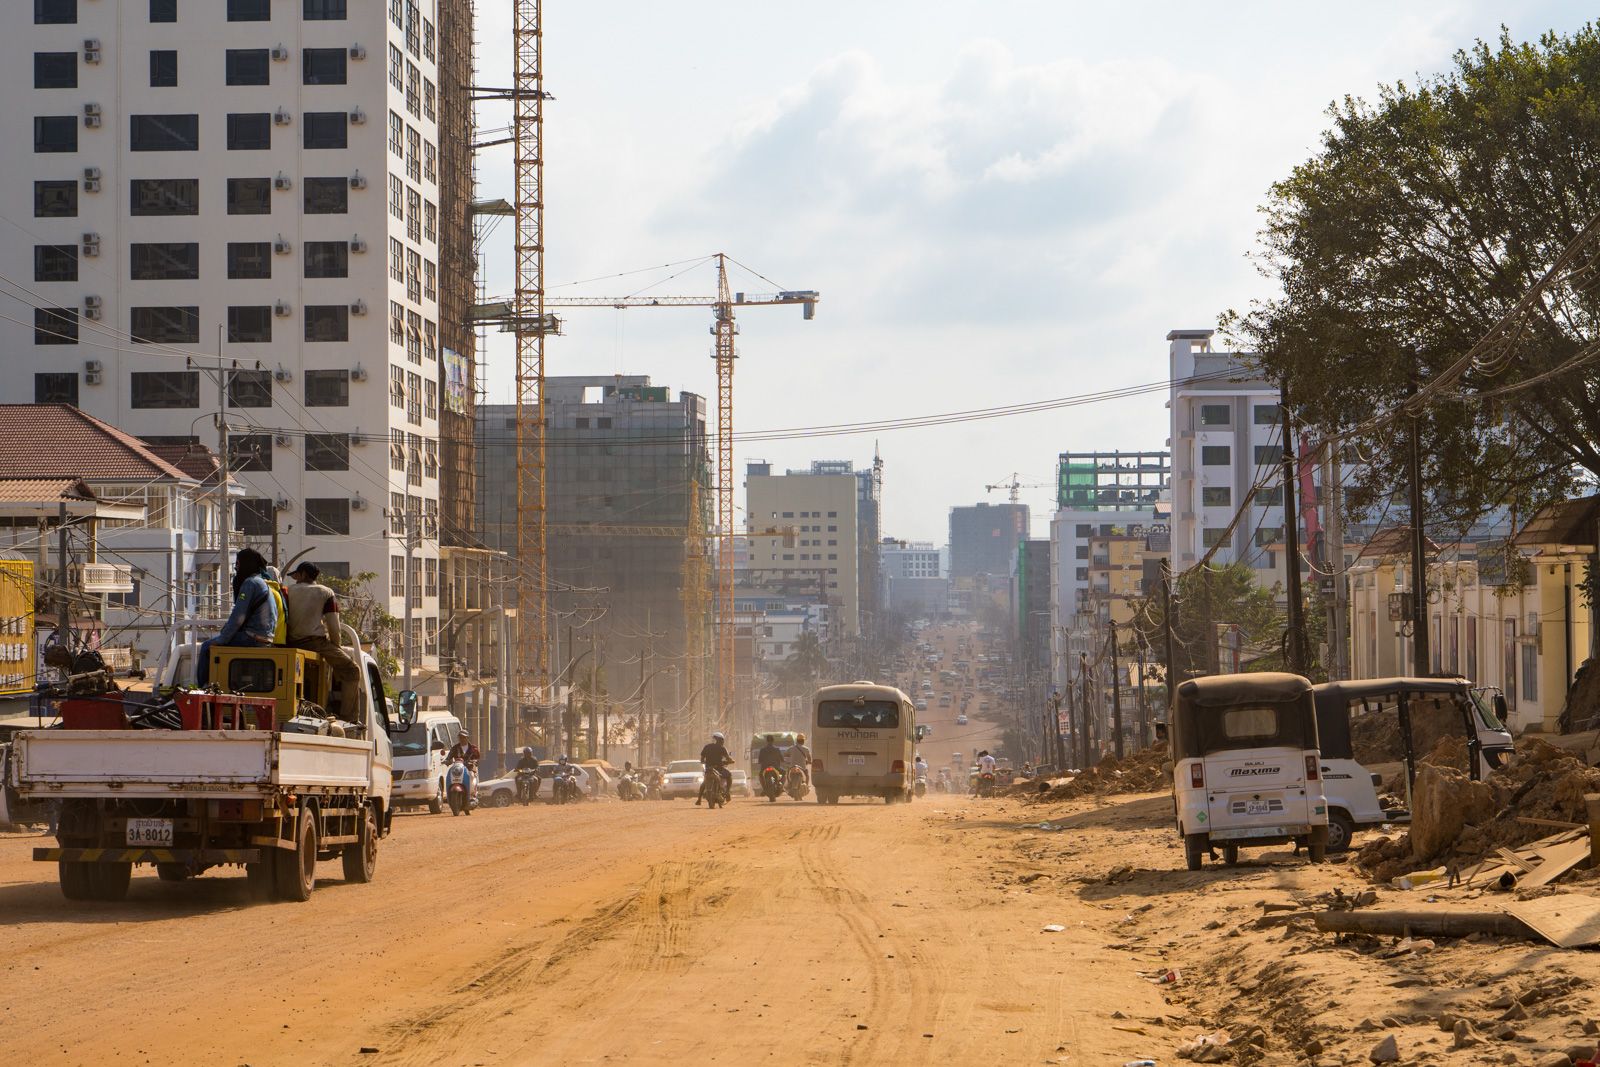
17	663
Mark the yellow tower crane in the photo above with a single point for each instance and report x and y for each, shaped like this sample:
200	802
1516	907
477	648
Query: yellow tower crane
723	329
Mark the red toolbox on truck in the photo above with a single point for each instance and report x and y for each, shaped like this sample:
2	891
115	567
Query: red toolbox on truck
225	711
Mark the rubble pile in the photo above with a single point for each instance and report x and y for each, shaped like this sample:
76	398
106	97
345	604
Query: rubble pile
1457	822
1142	772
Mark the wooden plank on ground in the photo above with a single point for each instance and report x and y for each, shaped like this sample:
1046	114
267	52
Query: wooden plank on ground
1558	861
1514	860
1567	920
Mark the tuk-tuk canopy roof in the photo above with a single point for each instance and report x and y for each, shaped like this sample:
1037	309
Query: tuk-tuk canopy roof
1334	700
1380	686
1273	687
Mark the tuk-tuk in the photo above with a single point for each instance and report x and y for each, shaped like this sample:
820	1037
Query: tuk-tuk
1246	768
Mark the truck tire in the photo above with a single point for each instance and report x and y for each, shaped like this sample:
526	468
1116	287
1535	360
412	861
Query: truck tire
1341	830
295	872
1230	855
436	802
109	881
361	859
1195	847
172	872
74	880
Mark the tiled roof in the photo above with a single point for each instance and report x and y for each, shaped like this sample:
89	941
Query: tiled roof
197	461
59	441
38	490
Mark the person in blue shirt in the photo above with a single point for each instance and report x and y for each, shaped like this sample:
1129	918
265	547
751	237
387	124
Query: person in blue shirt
254	618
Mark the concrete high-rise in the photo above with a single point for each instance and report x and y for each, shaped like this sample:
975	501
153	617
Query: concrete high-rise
984	539
239	203
813	517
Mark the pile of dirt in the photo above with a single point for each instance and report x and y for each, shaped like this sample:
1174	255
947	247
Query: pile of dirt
1458	822
1142	772
1436	728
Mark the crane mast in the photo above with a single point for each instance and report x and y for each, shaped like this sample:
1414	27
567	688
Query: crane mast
528	123
724	330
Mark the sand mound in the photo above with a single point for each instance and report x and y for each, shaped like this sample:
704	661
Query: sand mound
1140	772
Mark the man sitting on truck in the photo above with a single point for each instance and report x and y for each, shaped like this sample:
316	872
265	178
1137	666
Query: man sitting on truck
313	611
254	618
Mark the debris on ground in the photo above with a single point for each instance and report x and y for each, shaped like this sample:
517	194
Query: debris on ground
1140	772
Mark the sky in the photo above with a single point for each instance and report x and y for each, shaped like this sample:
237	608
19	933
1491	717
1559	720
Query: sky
999	203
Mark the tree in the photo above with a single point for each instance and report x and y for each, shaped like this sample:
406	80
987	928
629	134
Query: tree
1422	220
805	666
365	614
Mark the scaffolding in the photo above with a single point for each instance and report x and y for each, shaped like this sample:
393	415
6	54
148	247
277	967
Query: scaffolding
458	362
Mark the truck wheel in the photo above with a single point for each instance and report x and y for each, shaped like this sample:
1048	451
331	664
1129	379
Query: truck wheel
74	880
1195	847
436	803
1319	844
295	873
1341	831
822	796
172	872
109	881
361	858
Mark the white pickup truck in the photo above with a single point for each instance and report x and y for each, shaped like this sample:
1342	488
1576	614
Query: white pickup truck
270	799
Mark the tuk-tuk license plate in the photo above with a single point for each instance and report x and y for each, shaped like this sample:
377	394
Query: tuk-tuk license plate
1257	807
855	761
149	831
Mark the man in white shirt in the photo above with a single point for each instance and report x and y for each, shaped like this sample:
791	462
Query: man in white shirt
986	763
313	611
920	766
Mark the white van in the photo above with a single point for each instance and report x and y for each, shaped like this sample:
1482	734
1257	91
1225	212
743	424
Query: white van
419	766
863	742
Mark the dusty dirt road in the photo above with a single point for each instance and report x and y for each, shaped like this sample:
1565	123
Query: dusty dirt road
786	933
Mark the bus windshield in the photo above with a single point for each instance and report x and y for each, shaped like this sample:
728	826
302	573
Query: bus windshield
858	714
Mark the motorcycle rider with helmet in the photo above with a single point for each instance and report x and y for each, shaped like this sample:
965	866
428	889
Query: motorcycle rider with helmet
770	756
799	756
528	762
465	751
715	759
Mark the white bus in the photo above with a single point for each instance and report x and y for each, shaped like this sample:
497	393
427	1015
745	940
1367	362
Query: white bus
863	742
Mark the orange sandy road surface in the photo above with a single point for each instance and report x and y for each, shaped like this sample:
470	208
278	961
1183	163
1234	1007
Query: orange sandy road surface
648	932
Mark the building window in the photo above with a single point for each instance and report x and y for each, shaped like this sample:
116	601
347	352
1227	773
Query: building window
1270	496
431	457
325	11
326	129
414	337
397	260
430	281
1530	672
427	39
413	215
249	10
249	388
323	66
247	66
255	517
328	516
327	259
55	133
165	389
1268	455
55	263
1267	414
413	34
413	90
397	76
250	132
430	221
430	586
250	325
1215	415
249	196
397	197
397	450
164	133
1212	536
414	398
397	575
397	323
55	200
327	452
249	260
250	451
430	399
413	154
55	326
430	162
413	459
163	68
327	388
327	196
429	96
1268	535
165	325
164	262
55	388
1082	574
1216	496
328	322
55	12
413	276
1081	552
163	10
397	135
332	569
164	196
55	70
1215	455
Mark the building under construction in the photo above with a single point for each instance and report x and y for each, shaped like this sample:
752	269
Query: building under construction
457	272
628	468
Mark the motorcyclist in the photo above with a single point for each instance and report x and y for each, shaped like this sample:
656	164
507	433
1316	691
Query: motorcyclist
527	762
799	756
715	759
770	756
463	750
920	766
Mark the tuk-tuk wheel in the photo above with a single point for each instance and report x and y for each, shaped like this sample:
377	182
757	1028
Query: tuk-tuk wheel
1230	855
1195	847
1318	845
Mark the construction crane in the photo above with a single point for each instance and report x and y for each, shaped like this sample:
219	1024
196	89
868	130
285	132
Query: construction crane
723	329
1016	487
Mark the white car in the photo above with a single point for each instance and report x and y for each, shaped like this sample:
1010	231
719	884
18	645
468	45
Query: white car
741	783
682	779
922	705
961	720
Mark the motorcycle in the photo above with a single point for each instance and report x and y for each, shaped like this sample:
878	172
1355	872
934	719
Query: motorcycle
565	789
797	786
527	785
630	788
771	784
458	782
921	788
716	790
652	786
985	785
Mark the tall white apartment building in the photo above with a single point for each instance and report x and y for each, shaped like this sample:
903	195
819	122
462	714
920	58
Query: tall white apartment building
1226	437
802	532
255	179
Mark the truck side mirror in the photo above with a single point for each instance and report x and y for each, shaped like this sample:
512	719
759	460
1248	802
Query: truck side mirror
1502	710
407	703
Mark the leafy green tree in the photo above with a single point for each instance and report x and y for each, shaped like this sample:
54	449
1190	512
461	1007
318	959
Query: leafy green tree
1206	599
365	614
805	667
1423	218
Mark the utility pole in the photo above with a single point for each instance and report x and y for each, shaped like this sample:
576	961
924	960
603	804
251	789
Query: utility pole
224	518
1085	734
63	596
1116	692
1166	626
407	528
1144	707
1419	552
1295	645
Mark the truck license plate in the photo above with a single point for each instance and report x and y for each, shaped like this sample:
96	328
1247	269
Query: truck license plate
855	761
149	831
1257	807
